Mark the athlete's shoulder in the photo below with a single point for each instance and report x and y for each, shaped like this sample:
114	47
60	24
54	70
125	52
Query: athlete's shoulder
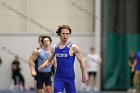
53	48
74	46
36	51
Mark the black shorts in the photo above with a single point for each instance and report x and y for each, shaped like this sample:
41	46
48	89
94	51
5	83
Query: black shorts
92	74
43	77
35	77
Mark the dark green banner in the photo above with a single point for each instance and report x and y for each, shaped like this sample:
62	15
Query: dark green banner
123	35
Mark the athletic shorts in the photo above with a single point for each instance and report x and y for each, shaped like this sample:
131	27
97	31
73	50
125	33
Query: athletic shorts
35	77
61	83
92	73
43	77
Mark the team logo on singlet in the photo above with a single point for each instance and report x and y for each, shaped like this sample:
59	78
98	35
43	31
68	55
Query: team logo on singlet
61	55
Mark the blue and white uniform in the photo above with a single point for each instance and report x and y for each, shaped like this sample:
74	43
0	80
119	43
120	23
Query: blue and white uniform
65	76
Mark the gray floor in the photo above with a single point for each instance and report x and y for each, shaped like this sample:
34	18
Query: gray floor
15	91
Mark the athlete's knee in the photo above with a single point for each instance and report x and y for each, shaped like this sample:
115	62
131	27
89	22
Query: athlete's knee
48	90
39	91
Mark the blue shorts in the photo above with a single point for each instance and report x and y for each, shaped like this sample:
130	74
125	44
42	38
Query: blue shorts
43	77
61	83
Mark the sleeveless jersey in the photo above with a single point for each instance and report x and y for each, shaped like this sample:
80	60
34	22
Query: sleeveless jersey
43	56
65	61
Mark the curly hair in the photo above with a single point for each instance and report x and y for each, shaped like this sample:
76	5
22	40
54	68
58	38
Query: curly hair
63	27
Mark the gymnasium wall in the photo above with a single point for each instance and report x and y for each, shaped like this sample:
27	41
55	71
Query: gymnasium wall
41	15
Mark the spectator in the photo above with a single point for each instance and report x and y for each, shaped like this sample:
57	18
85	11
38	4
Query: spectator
132	59
17	77
92	61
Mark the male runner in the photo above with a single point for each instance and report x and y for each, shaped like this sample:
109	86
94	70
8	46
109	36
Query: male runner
65	53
